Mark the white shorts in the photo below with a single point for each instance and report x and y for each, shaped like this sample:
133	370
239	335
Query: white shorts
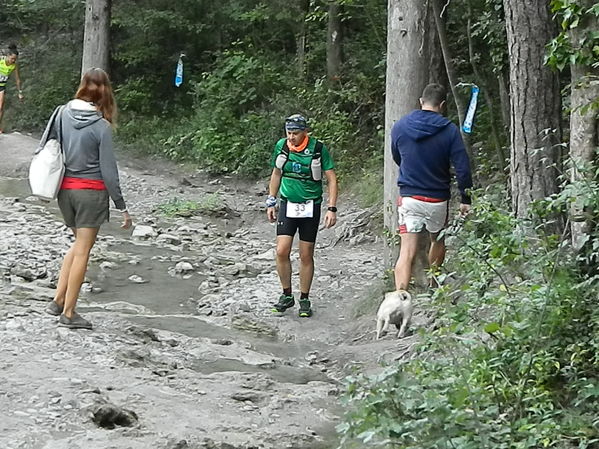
415	214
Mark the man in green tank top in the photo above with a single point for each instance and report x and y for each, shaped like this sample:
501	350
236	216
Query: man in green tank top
298	165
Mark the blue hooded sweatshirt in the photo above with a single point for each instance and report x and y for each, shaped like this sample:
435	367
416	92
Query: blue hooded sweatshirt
424	145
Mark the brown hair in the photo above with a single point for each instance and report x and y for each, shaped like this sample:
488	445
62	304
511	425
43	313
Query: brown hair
95	87
434	94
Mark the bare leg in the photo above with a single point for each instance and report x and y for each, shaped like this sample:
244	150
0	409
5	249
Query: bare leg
306	265
403	267
436	253
61	287
1	109
79	253
284	243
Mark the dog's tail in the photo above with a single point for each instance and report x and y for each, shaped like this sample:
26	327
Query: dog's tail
404	295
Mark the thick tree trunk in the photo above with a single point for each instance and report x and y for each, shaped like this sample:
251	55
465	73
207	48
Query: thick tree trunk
96	39
408	35
334	40
584	129
535	104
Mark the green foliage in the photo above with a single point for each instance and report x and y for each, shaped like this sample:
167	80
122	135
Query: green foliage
49	64
481	59
578	41
512	361
177	207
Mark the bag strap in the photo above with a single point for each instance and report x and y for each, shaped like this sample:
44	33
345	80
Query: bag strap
59	131
317	149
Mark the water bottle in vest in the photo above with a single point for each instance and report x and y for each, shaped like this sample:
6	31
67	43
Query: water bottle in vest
281	160
316	169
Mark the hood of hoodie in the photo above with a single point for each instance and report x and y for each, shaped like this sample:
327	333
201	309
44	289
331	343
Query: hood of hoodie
422	124
81	114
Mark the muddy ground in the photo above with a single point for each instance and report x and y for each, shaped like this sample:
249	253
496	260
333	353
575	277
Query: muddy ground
185	351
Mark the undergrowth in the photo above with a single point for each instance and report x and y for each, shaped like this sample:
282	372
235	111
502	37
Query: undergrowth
513	359
177	207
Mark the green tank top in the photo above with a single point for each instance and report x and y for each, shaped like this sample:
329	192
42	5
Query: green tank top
5	71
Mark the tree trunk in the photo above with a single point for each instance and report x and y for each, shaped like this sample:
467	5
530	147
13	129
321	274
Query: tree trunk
484	87
96	38
440	25
584	129
504	100
535	104
408	35
334	40
451	76
301	38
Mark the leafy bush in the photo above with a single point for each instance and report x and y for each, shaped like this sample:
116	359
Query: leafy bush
186	208
513	360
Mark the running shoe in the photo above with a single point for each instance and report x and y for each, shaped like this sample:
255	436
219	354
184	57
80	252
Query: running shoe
305	310
285	302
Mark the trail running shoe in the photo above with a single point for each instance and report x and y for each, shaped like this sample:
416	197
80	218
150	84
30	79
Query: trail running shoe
54	309
305	310
285	302
75	322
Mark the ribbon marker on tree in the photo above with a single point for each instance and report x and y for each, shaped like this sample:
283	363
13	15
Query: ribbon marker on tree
179	72
467	127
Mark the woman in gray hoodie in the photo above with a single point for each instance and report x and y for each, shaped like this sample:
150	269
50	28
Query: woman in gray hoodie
91	177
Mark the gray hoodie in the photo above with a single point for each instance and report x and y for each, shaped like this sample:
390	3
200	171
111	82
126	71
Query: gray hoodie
87	145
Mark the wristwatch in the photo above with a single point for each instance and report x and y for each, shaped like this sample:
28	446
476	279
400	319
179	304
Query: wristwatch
332	209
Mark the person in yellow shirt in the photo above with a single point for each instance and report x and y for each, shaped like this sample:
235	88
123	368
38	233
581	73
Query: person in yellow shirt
8	64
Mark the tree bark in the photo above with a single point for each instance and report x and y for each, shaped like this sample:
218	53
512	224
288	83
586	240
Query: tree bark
584	129
408	59
440	25
535	104
504	100
451	76
301	38
334	42
484	87
96	38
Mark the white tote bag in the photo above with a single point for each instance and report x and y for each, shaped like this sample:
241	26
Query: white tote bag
47	166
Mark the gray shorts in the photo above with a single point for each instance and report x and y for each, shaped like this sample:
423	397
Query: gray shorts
84	208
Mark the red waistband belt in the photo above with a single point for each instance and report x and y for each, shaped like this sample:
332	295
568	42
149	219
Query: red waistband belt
427	199
82	184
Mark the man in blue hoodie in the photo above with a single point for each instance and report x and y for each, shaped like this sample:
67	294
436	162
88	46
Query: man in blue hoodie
424	145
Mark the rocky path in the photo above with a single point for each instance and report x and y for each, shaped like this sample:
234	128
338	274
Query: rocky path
185	352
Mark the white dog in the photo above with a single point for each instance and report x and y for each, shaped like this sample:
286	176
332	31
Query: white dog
396	309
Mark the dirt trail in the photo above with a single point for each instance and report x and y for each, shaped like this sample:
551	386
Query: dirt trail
184	336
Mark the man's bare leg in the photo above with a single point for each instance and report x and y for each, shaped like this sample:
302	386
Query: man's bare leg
284	243
407	253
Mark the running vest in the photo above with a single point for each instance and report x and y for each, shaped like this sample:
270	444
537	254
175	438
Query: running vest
5	71
315	164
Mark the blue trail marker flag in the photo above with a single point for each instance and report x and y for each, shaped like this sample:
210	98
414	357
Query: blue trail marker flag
179	73
467	126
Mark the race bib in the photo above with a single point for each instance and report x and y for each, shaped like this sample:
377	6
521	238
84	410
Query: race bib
300	210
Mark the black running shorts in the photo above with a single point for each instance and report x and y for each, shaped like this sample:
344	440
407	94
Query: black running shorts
308	227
